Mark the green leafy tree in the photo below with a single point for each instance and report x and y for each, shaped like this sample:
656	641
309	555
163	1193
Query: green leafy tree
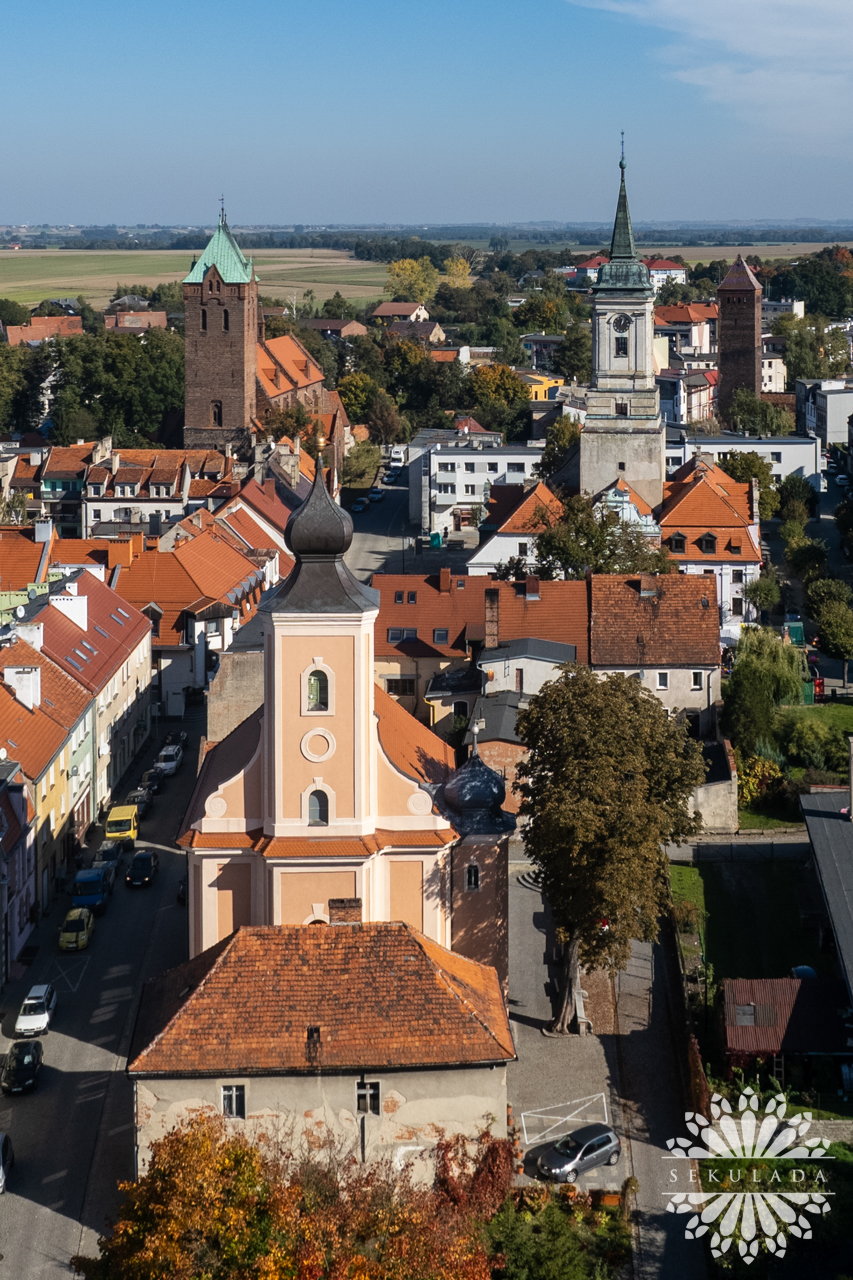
823	591
412	280
758	417
836	632
361	463
606	783
763	593
672	292
806	559
13	313
586	538
384	420
338	307
502	399
293	421
797	489
766	673
363	355
744	467
541	312
573	357
358	393
563	435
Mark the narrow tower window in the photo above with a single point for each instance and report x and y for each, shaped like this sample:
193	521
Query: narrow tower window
472	878
318	691
318	809
225	320
204	319
216	413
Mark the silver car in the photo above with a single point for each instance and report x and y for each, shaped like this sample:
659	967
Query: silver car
36	1011
577	1153
170	759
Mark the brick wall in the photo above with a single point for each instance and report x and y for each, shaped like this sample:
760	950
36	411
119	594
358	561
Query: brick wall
504	757
740	347
221	364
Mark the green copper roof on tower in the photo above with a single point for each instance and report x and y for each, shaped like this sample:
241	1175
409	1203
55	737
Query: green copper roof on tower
622	244
624	272
222	252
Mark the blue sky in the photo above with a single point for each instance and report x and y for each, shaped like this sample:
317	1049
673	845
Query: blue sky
396	110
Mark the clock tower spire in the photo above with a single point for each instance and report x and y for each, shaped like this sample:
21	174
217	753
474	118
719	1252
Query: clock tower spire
623	436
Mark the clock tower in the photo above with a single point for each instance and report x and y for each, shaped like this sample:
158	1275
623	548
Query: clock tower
623	436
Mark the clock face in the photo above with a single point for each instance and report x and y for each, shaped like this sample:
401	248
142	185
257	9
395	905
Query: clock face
622	324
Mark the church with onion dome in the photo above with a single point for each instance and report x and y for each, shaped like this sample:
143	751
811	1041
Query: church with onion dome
331	793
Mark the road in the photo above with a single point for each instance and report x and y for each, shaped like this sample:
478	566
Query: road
73	1136
384	540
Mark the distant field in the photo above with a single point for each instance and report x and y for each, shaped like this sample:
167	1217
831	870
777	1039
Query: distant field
690	253
30	275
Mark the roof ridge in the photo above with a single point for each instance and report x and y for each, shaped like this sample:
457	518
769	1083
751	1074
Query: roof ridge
447	979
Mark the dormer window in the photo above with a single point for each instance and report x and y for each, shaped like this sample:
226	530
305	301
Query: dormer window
677	543
95	490
708	544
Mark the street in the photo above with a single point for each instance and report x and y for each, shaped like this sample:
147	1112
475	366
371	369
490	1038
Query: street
73	1134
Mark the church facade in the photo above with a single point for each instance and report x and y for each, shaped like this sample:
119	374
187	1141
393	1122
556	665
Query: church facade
624	437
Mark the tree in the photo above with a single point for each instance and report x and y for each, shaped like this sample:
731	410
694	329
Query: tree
213	1207
766	674
812	349
338	307
498	384
293	421
362	355
563	435
542	312
797	489
573	357
384	420
361	462
606	782
672	292
763	593
744	467
13	313
806	558
823	591
757	417
586	538
836	632
357	392
412	280
458	273
844	517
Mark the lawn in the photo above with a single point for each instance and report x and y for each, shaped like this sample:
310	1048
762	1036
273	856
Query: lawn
28	276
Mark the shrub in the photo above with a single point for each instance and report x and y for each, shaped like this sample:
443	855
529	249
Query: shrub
686	916
759	782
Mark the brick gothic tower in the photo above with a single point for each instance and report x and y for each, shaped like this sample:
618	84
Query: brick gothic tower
739	340
222	329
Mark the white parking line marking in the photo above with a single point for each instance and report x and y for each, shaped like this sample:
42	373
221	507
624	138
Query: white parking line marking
69	972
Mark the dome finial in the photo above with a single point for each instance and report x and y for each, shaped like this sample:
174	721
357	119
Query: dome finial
622	161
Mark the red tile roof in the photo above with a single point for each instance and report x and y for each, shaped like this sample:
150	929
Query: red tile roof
396	309
640	503
685	313
702	499
113	632
525	518
267	503
382	996
663	264
62	698
598	261
41	327
20	557
413	748
284	366
654	620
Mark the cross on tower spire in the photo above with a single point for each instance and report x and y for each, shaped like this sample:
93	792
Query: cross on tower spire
222	218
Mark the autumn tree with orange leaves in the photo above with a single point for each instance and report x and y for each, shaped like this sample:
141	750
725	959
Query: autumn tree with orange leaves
213	1207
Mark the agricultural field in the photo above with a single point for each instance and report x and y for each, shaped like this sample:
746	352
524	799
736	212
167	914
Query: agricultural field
690	253
27	276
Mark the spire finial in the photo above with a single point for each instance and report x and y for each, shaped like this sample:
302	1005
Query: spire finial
622	161
222	218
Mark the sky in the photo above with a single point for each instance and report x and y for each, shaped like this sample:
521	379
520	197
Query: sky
348	111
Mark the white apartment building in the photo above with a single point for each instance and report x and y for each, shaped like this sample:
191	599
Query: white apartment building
774	373
787	455
449	483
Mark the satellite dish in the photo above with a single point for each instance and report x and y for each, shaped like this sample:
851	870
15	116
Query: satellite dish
20	611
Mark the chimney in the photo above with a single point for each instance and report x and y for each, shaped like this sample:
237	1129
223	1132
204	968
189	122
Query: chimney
74	607
269	487
44	530
119	552
444	579
345	911
531	587
25	683
80	440
114	462
492	618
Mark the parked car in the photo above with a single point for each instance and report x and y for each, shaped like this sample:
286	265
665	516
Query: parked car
110	851
360	504
587	1148
376	495
142	869
22	1065
7	1160
842	480
36	1011
171	758
153	779
123	825
142	798
391	477
93	885
75	932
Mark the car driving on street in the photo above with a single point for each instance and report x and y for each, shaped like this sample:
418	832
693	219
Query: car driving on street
36	1011
22	1065
142	869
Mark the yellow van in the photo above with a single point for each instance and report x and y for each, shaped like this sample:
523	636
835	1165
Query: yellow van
123	825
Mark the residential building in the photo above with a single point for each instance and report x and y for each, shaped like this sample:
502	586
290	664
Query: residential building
588	270
46	720
540	386
740	347
709	525
687	326
450	481
774	374
389	1041
541	348
522	666
329	789
771	311
153	488
662	269
136	321
62	474
623	433
767	1018
333	328
285	374
514	518
41	328
830	835
18	902
389	312
823	407
787	455
429	331
687	395
627	504
663	629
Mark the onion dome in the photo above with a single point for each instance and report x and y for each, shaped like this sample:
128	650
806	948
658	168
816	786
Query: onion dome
319	527
476	792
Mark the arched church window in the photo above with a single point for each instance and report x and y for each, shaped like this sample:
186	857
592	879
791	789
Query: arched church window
216	413
210	286
217	286
204	319
318	691
472	878
318	809
225	325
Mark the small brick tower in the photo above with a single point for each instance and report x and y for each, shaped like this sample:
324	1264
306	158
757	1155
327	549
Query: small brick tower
222	327
739	341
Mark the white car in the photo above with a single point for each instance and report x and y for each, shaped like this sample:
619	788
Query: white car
36	1011
170	759
842	481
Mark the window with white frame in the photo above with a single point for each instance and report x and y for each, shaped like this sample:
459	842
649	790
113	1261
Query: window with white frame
367	1097
234	1101
663	679
696	680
